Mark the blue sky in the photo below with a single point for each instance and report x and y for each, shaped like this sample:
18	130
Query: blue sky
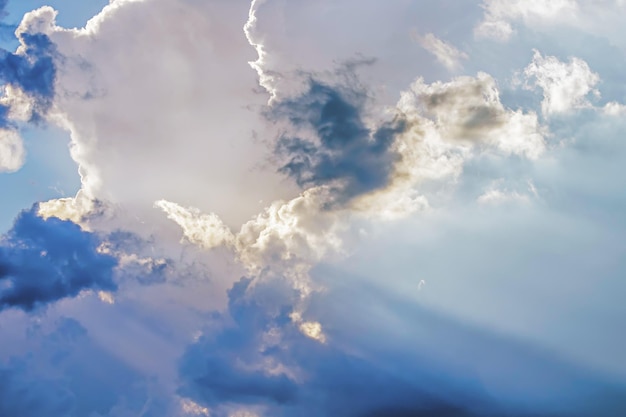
333	208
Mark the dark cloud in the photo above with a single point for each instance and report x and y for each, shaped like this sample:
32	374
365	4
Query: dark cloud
344	152
214	377
376	373
32	70
42	261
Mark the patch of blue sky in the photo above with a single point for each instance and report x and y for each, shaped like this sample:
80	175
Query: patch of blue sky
72	13
49	172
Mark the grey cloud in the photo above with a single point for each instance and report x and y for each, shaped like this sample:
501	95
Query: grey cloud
42	261
343	152
402	366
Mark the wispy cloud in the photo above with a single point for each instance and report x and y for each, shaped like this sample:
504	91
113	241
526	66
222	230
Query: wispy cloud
446	54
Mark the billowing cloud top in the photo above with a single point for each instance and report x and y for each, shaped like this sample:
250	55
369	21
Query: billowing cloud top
331	208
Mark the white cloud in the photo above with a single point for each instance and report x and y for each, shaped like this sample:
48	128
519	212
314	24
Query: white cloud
206	230
75	209
183	130
191	408
614	108
106	297
601	18
12	151
495	195
266	80
467	110
566	85
499	14
446	54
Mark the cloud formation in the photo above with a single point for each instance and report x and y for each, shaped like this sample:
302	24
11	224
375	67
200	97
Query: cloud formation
42	261
260	363
446	54
343	151
566	85
203	84
468	110
319	175
500	13
12	152
27	77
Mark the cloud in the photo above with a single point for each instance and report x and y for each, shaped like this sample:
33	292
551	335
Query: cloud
108	91
11	150
343	151
446	54
69	374
31	68
500	13
259	359
336	194
498	196
468	110
614	108
206	230
42	261
27	78
597	21
566	85
266	79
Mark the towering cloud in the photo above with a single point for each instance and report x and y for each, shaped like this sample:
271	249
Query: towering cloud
167	124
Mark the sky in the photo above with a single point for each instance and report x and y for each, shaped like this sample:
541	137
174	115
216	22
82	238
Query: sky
343	208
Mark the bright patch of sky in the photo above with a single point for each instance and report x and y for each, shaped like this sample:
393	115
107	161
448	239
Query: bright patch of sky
48	172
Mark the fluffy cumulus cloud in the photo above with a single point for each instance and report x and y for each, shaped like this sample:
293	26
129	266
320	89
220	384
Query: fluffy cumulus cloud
179	136
468	110
284	214
566	85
